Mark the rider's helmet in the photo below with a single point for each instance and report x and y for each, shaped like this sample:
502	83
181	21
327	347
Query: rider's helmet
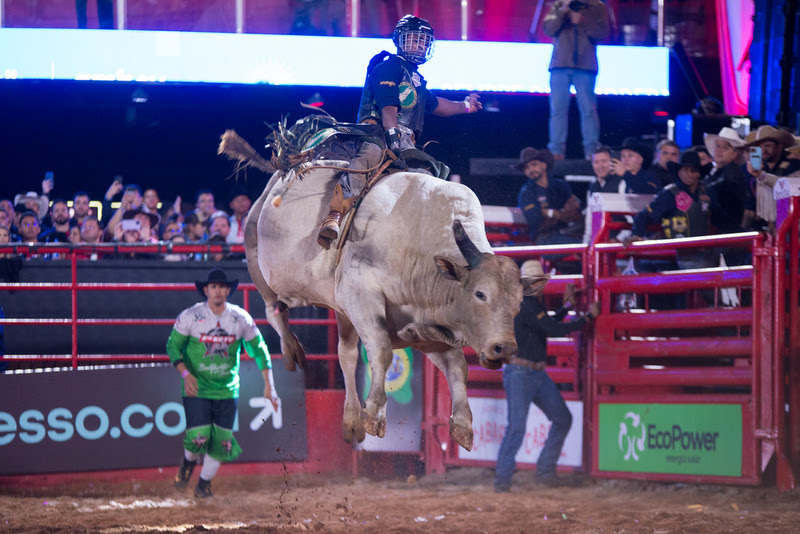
414	39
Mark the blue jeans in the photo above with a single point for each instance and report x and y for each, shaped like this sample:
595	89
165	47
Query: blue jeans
524	386
560	82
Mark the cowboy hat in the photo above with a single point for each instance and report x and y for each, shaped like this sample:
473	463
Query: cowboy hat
42	201
768	133
531	154
237	190
726	134
154	217
641	148
532	269
690	158
217	276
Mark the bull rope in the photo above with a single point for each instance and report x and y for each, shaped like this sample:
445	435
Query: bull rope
385	162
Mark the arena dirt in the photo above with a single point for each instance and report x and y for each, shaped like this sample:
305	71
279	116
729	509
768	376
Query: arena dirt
463	500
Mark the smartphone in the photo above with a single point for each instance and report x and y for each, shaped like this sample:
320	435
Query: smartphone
118	179
131	224
49	176
755	157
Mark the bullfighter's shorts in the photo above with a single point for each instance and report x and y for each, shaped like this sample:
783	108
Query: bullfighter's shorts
209	427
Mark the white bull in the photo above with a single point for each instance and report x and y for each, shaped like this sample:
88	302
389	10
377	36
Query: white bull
415	271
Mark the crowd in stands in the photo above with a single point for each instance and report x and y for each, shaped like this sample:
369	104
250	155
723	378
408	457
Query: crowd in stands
140	218
707	189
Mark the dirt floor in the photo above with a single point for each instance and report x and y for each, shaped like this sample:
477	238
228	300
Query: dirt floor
463	500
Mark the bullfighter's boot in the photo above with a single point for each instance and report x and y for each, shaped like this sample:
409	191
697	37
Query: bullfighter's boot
339	207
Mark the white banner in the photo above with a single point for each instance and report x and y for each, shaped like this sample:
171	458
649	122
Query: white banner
489	420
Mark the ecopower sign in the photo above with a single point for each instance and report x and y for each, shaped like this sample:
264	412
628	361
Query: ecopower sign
687	439
88	420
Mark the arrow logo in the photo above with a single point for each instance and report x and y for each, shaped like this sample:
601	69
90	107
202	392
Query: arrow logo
266	412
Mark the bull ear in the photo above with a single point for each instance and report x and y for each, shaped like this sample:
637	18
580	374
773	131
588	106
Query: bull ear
533	285
449	269
466	246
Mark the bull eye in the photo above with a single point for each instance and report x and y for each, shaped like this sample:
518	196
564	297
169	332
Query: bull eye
480	295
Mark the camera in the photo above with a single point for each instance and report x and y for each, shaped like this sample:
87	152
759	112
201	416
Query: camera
131	224
577	5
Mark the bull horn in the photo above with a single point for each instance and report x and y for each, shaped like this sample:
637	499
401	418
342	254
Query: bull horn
466	246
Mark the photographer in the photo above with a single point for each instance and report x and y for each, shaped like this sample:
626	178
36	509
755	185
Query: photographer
136	227
576	27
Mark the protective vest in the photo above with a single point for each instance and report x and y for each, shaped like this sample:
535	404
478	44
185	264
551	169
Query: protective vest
411	94
691	217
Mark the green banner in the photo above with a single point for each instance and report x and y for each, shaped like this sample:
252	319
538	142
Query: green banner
688	439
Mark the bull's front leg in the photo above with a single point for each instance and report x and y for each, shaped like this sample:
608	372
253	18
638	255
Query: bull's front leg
454	367
379	353
352	427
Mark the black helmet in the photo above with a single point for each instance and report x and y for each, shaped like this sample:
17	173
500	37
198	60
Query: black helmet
414	39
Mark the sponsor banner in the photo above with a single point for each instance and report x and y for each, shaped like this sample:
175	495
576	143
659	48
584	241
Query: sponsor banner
90	420
403	405
489	419
689	439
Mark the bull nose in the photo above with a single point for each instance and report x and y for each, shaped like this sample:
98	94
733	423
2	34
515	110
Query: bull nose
498	349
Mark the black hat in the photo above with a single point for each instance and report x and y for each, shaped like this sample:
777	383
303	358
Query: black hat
690	158
154	217
531	154
236	191
641	148
216	276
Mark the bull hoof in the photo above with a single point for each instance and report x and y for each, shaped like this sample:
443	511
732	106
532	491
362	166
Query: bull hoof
461	435
374	425
490	364
353	433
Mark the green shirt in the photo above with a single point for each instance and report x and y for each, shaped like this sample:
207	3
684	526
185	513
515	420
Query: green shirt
209	345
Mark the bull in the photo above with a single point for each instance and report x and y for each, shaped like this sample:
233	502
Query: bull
416	270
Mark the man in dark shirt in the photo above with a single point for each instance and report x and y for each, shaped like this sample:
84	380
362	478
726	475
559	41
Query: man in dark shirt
59	215
684	210
667	151
395	97
525	380
551	209
727	181
633	165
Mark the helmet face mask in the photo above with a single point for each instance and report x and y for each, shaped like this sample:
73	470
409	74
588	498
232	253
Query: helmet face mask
414	39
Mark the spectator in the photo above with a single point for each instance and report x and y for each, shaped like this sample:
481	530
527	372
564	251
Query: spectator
150	201
91	231
136	226
4	222
218	224
7	207
193	228
171	229
526	381
774	164
177	239
216	239
39	204
59	215
705	157
576	27
727	182
684	210
10	264
80	208
666	151
204	204
74	235
549	205
131	200
29	227
239	204
635	157
604	182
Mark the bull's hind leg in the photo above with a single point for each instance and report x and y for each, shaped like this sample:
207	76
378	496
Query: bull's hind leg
352	428
277	313
454	367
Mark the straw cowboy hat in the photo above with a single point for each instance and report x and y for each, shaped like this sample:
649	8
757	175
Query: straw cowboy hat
531	154
768	133
216	276
726	134
42	201
532	269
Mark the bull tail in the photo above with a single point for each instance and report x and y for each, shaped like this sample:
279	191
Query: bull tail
277	312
